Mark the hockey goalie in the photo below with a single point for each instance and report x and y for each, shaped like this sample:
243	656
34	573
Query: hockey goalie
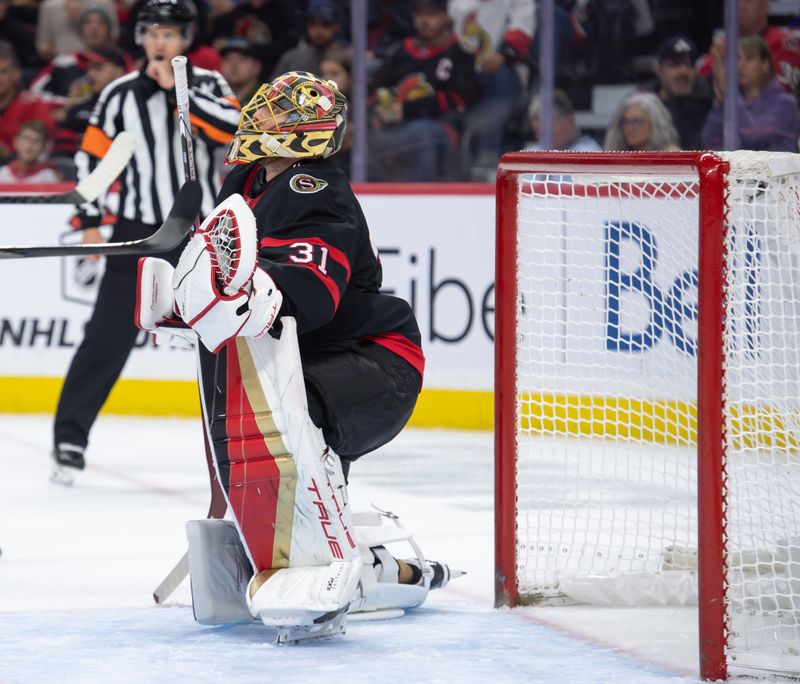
304	366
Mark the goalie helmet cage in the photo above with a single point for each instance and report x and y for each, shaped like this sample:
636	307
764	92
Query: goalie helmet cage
647	391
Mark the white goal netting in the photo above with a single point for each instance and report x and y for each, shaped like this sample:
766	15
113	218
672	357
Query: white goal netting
607	399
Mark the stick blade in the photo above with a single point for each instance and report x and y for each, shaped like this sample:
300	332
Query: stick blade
171	233
180	219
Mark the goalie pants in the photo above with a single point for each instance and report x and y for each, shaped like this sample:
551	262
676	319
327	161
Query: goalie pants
361	397
109	337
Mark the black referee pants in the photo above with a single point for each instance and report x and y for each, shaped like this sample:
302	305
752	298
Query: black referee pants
108	339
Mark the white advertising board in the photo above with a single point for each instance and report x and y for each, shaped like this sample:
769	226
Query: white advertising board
609	295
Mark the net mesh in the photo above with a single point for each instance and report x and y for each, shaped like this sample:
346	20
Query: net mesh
607	339
606	471
762	406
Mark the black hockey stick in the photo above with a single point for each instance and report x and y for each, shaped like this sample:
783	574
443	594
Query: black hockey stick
168	236
94	185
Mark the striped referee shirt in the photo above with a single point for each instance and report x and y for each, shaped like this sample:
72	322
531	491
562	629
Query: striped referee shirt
135	103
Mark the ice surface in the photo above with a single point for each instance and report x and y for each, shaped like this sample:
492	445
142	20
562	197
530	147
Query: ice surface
79	565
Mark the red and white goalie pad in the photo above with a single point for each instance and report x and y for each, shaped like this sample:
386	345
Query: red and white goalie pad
219	290
289	502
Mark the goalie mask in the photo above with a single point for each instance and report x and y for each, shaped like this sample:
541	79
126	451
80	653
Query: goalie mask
296	116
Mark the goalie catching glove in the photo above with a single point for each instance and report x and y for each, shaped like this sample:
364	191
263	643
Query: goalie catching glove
219	290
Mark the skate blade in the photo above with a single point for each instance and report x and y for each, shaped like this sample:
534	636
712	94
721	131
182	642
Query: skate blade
292	635
62	476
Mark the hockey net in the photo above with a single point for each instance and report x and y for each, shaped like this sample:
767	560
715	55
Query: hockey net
648	391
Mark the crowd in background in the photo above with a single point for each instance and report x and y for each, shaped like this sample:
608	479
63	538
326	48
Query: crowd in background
452	84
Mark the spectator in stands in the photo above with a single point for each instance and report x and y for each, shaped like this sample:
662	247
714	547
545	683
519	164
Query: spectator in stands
337	66
276	24
323	29
18	27
641	123
783	45
421	93
30	144
16	105
566	134
242	67
390	21
767	115
58	29
63	82
686	97
105	64
499	34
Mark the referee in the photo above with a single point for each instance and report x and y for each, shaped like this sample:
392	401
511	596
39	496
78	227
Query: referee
143	103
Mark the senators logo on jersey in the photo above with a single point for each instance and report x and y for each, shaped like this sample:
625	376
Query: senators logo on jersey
304	183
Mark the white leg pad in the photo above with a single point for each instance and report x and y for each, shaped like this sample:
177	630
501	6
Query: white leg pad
324	560
322	529
304	596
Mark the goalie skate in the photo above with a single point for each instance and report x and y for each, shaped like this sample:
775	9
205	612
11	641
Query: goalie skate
383	595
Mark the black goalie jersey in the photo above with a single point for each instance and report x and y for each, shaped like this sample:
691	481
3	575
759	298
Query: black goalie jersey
315	243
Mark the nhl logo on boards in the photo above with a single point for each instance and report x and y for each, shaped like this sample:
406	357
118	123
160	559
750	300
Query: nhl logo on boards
304	183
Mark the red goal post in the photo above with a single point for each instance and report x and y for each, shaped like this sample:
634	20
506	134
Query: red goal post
647	391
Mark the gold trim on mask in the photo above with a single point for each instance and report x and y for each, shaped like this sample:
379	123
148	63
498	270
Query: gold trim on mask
269	121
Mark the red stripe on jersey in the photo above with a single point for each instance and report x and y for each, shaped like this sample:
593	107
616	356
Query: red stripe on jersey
317	269
254	476
404	348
